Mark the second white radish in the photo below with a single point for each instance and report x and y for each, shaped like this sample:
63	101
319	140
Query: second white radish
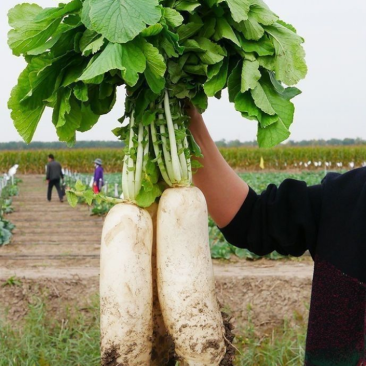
185	278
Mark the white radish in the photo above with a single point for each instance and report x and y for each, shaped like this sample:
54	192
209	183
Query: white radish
185	278
126	287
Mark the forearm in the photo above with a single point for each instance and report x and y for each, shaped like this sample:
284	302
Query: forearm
224	190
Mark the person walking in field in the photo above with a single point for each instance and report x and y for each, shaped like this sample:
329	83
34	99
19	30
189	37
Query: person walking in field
328	219
98	176
53	176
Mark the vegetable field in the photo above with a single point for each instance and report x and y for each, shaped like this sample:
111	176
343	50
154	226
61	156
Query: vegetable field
281	158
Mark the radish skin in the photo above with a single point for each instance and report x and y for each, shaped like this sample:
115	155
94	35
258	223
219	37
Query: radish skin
126	287
185	278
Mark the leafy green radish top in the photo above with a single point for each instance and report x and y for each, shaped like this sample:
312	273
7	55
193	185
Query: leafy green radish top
164	52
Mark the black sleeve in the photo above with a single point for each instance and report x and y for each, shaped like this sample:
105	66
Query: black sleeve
48	172
283	218
62	174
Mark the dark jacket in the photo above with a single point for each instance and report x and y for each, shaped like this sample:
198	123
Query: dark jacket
329	220
54	171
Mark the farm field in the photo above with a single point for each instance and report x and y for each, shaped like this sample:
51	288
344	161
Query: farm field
243	158
51	270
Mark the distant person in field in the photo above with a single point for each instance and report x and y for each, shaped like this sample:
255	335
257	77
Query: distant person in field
53	177
98	176
328	220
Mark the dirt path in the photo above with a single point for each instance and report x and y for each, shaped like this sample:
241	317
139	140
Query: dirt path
55	254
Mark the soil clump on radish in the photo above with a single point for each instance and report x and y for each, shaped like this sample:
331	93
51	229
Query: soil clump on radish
228	359
110	357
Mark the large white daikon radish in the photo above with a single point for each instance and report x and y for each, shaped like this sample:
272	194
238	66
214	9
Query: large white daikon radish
185	278
126	287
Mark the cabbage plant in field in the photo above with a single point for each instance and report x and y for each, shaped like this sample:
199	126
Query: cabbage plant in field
164	53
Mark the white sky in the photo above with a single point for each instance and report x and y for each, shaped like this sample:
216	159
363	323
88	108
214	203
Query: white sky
333	99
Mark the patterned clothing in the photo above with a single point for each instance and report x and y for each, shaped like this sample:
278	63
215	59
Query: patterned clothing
329	220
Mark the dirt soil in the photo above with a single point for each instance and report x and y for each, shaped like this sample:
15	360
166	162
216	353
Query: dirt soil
55	256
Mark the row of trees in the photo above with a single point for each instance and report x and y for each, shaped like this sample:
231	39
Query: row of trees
16	145
314	142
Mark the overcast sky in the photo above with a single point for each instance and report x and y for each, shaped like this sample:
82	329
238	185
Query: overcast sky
334	95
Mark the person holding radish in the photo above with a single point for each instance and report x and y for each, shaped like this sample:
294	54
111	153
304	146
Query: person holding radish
327	219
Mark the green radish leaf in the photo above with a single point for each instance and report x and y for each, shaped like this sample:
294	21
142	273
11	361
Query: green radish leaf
217	82
196	69
287	93
100	105
120	21
200	101
153	30
172	17
27	34
148	193
168	47
267	62
49	45
208	29
213	70
62	108
234	82
93	47
251	29
85	15
145	97
211	3
239	9
272	101
244	103
187	6
272	135
81	92
175	72
72	198
35	85
261	13
88	37
148	117
263	47
66	132
214	53
192	46
262	100
155	67
188	30
288	26
125	57
224	30
63	10
88	118
289	63
173	39
73	71
250	75
195	149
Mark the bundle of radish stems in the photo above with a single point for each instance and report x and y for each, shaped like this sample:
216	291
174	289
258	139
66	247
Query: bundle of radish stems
157	285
